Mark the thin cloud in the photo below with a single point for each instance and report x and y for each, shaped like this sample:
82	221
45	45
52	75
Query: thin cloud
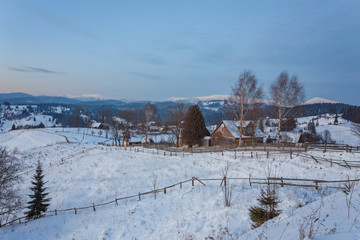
147	76
33	70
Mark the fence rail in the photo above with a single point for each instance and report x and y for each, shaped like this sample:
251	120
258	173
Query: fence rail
293	182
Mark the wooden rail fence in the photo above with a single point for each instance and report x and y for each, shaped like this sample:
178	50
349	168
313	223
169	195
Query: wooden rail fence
293	182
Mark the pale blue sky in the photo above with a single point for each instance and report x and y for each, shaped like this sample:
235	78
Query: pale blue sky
159	49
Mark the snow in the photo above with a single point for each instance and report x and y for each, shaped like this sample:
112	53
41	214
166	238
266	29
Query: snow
24	140
82	172
33	120
341	133
316	100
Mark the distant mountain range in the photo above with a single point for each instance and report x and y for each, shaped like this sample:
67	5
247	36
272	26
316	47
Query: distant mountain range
24	98
212	106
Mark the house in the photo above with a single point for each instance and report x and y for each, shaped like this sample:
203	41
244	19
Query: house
97	125
228	132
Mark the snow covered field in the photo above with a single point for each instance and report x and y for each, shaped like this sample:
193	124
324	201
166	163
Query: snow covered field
82	172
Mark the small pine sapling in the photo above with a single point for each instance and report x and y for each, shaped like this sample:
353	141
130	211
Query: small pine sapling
38	203
267	209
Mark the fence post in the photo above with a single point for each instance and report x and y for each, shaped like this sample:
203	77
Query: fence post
180	184
347	148
225	186
75	211
139	196
267	154
235	153
324	147
192	182
94	207
116	202
330	162
282	182
250	179
316	185
290	154
251	154
55	213
164	190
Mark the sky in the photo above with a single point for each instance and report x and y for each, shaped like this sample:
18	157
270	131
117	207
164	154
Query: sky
155	50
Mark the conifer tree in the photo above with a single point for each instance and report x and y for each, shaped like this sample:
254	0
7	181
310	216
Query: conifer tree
39	203
194	128
336	122
268	202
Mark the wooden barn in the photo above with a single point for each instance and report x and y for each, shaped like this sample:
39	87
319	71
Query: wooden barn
228	132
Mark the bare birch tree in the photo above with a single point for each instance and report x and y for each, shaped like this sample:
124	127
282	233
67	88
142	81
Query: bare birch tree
175	118
10	200
245	96
286	93
149	115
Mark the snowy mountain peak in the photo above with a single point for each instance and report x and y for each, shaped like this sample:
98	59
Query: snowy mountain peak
196	99
316	100
88	97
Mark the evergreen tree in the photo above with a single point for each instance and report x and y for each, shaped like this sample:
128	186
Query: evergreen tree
39	202
268	202
288	125
261	124
312	128
13	127
194	128
336	120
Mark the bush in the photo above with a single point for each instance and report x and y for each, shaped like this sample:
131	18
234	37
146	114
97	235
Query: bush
266	210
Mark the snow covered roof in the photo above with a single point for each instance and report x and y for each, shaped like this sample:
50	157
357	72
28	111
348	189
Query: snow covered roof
233	127
95	125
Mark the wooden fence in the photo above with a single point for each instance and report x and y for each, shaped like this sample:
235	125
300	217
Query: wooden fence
281	181
333	147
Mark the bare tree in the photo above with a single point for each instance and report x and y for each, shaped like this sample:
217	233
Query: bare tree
116	132
227	189
104	116
149	115
77	119
175	119
356	129
286	93
128	118
10	201
245	96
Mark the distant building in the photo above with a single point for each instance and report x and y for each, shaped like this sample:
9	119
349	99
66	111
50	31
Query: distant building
97	125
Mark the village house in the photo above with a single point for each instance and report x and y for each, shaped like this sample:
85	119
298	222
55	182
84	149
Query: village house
228	132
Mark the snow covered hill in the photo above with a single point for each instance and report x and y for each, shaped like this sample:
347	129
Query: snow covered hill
316	100
81	173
